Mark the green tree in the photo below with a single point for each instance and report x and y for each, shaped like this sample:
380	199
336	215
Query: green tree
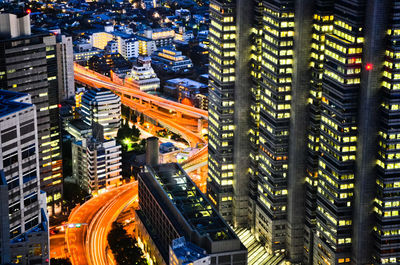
126	136
124	247
73	195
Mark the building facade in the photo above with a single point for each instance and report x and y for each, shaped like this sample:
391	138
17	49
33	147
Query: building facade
29	64
142	76
103	107
172	60
303	127
27	236
96	164
65	62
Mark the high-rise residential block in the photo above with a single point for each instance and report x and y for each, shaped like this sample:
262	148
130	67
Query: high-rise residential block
303	126
29	64
96	164
103	107
26	240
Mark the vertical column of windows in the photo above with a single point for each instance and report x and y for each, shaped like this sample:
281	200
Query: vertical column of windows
387	202
322	25
222	36
255	61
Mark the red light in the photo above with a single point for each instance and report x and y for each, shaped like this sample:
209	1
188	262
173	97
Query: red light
28	11
369	66
59	105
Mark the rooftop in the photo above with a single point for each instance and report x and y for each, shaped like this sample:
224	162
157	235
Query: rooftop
11	102
191	203
187	252
186	82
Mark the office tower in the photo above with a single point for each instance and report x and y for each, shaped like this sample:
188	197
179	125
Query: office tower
222	35
28	63
322	129
25	204
65	66
104	107
96	164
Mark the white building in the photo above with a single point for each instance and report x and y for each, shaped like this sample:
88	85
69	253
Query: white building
172	60
142	76
103	107
27	229
126	44
65	61
111	47
128	47
146	46
96	164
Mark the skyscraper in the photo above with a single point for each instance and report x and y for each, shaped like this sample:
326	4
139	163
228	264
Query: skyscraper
28	63
303	126
24	236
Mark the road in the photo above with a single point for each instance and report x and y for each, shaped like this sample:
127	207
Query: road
87	245
97	80
89	214
172	121
101	226
57	243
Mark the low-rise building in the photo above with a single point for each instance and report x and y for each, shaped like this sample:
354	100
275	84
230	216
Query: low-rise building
201	101
82	55
172	60
149	4
168	153
142	76
181	88
162	36
107	62
173	207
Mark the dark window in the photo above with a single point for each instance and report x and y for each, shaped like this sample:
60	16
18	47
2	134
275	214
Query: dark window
29	152
27	128
10	146
5	137
13	184
28	177
30	200
10	160
15	208
32	223
27	139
